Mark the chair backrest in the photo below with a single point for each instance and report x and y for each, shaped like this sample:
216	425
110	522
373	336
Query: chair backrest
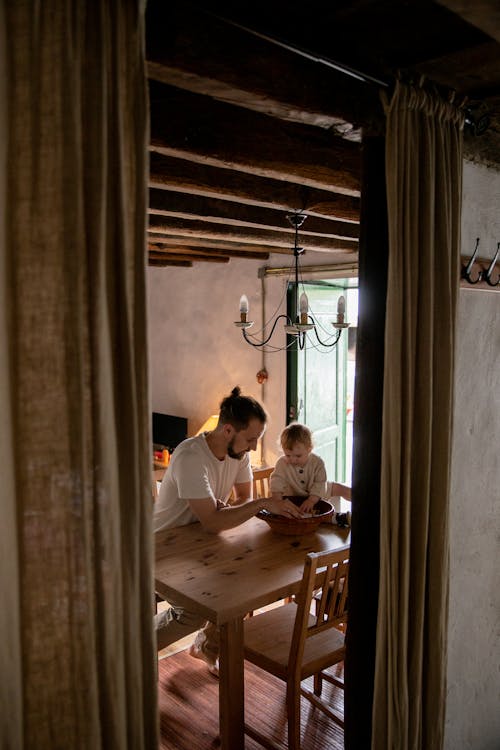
329	571
261	482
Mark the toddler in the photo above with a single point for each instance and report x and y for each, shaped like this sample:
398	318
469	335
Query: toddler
300	472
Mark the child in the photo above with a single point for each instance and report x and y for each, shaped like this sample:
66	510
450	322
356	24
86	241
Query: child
300	472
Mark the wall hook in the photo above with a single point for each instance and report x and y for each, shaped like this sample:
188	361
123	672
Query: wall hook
487	274
466	270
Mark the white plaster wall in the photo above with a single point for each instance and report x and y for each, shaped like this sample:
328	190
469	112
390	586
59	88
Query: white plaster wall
473	702
480	210
197	355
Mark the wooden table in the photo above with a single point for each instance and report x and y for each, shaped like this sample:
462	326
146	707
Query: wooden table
223	577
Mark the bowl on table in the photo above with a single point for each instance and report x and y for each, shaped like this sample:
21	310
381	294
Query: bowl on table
322	511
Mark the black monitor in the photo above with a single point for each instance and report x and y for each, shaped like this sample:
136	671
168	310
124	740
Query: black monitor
168	430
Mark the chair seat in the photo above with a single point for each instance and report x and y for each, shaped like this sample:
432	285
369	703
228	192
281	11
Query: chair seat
267	640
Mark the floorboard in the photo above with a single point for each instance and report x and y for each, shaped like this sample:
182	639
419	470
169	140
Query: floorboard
188	707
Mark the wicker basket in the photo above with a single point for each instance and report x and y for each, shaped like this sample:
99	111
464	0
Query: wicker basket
297	526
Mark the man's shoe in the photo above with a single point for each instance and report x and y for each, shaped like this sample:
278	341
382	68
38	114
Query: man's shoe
213	667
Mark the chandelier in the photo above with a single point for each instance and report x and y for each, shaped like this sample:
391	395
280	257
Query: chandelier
302	327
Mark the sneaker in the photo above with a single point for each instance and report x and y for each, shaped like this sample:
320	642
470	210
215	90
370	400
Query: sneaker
213	666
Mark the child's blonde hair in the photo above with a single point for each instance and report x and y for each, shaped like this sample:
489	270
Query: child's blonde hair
296	433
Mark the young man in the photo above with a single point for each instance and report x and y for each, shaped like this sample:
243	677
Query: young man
200	478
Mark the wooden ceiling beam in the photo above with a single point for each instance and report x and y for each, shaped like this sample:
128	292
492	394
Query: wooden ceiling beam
202	130
164	263
224	245
195	50
230	252
158	254
475	69
198	229
175	205
198	179
483	14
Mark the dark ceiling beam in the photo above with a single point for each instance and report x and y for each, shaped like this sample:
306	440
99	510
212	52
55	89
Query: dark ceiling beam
198	179
166	203
202	130
483	14
239	250
475	69
164	263
378	37
216	244
230	252
193	226
198	229
162	254
193	50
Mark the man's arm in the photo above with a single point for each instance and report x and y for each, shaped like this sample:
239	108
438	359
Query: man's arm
243	491
215	518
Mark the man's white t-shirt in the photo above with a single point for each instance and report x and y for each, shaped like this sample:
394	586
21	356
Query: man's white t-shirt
195	473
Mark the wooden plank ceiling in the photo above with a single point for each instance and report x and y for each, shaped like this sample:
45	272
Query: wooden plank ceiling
245	131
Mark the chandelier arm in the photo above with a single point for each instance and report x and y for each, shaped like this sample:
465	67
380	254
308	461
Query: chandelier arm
263	343
270	349
333	343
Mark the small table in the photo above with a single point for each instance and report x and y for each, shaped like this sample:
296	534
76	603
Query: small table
222	577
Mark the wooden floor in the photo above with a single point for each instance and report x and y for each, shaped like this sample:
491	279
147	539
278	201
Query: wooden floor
188	706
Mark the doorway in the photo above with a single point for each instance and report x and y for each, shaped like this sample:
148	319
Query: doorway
320	383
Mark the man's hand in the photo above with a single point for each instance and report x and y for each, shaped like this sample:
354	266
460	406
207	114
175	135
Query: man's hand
282	507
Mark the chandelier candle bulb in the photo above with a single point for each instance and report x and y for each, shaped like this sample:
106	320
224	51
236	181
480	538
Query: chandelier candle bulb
341	309
303	308
243	308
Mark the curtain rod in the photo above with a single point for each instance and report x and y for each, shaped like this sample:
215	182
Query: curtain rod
340	67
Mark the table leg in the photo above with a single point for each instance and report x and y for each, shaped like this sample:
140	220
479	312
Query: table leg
231	686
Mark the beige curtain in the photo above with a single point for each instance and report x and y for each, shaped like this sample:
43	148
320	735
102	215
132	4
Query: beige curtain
77	656
424	178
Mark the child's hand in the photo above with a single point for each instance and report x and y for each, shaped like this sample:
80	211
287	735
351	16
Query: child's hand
308	504
282	507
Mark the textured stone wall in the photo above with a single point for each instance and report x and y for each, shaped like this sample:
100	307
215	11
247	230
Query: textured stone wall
473	704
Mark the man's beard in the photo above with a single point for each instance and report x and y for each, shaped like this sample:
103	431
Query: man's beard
232	453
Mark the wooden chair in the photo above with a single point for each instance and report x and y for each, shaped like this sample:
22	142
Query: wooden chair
261	482
293	644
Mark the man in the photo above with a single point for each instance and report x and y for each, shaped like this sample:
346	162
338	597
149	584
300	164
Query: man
196	487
